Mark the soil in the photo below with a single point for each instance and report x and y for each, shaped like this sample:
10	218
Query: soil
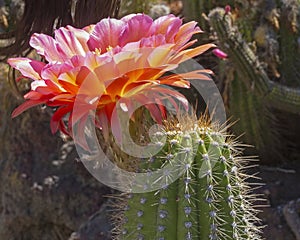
281	187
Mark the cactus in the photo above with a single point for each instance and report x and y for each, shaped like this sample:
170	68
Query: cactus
253	91
210	199
250	67
195	10
260	79
266	94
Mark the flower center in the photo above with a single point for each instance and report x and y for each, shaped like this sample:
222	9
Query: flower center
109	48
97	51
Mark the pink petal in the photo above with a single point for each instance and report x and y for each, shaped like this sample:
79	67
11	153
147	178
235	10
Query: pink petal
92	60
89	29
168	94
58	116
161	106
67	43
28	67
26	105
102	122
185	33
219	53
91	84
227	9
136	28
126	18
47	47
156	112
178	79
46	87
171	100
53	71
123	62
168	26
82	35
153	41
148	101
190	53
80	133
106	34
61	112
33	95
159	55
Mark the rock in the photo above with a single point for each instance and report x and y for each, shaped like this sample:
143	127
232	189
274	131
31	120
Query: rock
45	193
97	226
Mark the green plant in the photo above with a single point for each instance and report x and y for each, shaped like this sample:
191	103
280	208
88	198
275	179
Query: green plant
252	92
260	79
210	199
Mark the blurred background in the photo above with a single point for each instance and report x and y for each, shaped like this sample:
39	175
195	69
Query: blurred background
46	193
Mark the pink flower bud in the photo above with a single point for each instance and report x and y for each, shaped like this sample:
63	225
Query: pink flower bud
227	9
219	53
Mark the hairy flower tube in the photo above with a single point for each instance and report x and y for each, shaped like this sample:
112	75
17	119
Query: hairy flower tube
113	60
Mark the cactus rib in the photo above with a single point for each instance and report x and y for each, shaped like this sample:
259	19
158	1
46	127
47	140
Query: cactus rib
207	201
249	67
284	98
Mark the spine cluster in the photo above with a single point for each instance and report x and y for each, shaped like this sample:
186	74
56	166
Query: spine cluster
209	200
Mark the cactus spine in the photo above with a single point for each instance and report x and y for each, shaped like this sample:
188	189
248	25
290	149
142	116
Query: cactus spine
251	90
249	67
261	39
210	199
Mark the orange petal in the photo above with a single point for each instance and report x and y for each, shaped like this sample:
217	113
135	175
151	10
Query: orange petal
26	105
190	53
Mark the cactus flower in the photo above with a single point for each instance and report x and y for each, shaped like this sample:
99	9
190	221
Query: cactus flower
113	60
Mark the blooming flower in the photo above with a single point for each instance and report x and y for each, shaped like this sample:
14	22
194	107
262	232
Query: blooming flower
101	64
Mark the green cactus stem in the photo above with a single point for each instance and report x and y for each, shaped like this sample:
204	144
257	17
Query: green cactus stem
284	98
194	8
209	200
249	67
289	45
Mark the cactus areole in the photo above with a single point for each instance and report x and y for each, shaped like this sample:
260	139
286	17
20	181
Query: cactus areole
210	200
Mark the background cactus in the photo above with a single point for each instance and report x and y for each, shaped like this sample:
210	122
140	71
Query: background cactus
210	200
135	6
265	94
260	79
